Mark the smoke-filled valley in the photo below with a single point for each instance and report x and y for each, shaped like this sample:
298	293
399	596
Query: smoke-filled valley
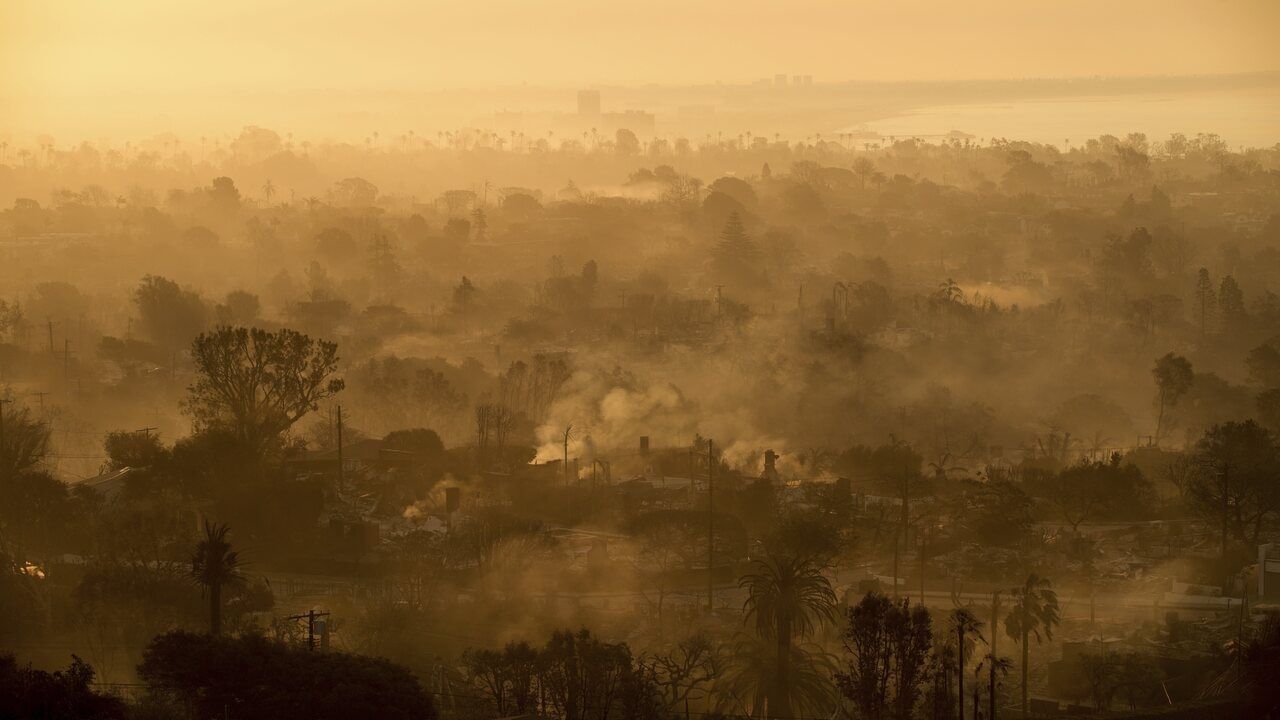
620	414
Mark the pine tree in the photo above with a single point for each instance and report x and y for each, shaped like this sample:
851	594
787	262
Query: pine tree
1128	208
1174	378
735	254
1160	204
383	266
1206	301
463	295
1231	304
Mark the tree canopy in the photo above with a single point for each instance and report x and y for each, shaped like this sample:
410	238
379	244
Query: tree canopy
254	678
257	383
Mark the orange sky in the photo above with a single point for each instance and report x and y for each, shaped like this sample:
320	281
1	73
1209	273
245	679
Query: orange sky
72	46
61	56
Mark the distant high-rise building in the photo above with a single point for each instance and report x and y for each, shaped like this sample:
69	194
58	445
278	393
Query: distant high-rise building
808	81
797	80
588	102
780	80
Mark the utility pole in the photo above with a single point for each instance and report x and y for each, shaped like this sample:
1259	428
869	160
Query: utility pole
310	616
1093	601
568	434
66	364
40	395
49	324
897	539
995	617
903	530
340	463
1244	604
4	449
800	305
711	525
924	539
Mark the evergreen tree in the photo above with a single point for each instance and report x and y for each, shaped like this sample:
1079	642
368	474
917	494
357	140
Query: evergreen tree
1231	305
384	268
1173	376
735	255
1206	301
464	295
1160	204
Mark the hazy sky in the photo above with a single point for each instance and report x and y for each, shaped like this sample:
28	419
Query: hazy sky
121	68
69	47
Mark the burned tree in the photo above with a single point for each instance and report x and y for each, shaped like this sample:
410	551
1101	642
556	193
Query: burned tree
1235	486
24	440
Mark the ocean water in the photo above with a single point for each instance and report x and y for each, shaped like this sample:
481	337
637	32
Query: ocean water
1241	118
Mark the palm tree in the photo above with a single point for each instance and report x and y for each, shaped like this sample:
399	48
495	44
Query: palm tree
753	672
1098	446
215	565
568	435
787	596
1035	609
994	665
964	622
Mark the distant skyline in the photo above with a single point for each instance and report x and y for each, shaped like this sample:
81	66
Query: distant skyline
88	69
72	47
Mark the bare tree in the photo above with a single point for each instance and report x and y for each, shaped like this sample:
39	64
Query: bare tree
24	440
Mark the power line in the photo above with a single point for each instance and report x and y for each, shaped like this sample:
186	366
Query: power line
310	616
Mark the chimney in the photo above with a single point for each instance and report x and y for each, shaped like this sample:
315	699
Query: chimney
770	466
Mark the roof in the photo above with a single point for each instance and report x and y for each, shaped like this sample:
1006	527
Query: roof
108	484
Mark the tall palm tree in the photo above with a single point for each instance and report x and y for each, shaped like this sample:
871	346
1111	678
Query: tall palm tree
1034	611
215	565
964	623
995	666
752	673
787	597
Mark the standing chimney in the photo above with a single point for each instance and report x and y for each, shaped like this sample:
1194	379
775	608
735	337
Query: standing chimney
770	466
